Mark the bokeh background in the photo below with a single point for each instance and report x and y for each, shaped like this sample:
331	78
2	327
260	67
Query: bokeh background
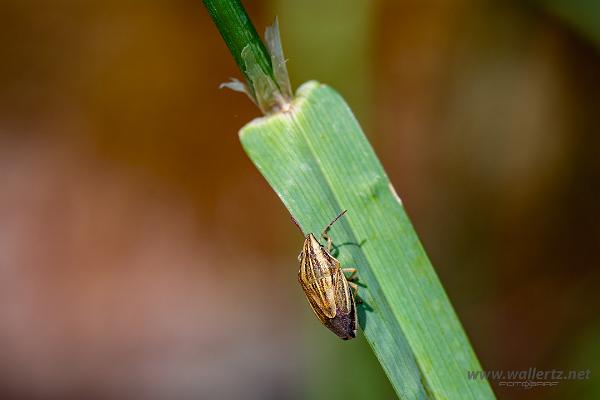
142	256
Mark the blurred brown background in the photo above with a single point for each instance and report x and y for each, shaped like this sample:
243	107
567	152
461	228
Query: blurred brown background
143	256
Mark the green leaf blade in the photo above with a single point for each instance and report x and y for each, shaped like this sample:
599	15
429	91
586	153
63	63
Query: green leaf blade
319	162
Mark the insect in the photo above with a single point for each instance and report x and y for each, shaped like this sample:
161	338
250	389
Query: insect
329	292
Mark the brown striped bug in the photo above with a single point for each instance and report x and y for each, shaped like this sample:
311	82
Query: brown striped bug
329	292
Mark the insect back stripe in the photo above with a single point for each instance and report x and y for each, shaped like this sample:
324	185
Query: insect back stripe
316	281
343	295
319	278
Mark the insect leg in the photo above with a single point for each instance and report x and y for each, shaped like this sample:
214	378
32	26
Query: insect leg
352	271
325	236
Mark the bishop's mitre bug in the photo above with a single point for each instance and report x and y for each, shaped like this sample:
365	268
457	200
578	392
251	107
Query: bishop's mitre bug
329	292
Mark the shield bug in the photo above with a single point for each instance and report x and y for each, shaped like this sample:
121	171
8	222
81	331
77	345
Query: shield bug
329	293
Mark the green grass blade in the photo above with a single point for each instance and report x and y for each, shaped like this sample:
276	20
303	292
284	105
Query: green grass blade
319	162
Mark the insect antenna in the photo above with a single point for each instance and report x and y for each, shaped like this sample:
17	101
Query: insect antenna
324	234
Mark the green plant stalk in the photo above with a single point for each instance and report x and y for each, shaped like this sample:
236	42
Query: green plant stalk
319	162
237	31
